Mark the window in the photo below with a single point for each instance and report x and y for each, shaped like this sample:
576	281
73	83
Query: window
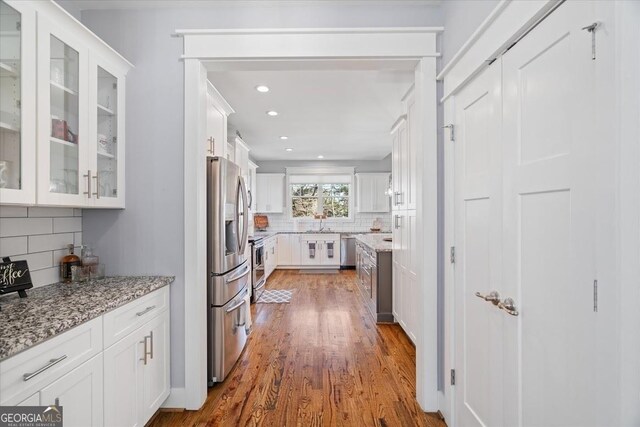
320	191
332	200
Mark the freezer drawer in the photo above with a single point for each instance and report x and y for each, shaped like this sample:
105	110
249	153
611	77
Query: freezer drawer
228	331
223	288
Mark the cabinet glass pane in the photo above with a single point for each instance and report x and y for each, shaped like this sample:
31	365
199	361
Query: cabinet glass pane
10	135
107	181
64	137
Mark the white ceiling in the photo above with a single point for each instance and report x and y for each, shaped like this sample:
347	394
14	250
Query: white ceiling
342	114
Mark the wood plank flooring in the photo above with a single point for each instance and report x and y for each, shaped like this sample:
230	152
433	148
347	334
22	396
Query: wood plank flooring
320	360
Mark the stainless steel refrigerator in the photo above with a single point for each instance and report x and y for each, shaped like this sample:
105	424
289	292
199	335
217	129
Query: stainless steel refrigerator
229	272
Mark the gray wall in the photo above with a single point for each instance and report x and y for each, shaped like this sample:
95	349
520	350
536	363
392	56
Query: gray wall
461	18
278	166
148	236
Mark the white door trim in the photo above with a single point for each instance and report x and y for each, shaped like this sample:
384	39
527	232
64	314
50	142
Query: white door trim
321	44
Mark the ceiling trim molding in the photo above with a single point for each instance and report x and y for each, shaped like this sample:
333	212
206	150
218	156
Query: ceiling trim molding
279	43
354	30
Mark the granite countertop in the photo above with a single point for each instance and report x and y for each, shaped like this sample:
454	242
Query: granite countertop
53	309
267	234
375	241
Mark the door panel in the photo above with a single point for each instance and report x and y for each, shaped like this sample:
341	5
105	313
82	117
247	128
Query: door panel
478	391
549	239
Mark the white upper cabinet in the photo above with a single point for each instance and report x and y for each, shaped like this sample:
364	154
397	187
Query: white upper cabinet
372	192
62	110
106	90
411	159
399	164
270	192
218	110
404	155
17	103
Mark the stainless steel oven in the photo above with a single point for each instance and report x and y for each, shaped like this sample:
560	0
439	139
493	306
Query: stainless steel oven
258	279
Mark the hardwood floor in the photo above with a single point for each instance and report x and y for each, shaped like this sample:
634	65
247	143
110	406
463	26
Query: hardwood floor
319	360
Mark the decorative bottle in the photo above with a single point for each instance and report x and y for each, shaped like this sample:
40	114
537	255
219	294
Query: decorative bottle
67	262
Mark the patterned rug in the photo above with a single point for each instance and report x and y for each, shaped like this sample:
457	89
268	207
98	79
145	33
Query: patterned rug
277	296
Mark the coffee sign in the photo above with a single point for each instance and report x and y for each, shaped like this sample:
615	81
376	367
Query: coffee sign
14	277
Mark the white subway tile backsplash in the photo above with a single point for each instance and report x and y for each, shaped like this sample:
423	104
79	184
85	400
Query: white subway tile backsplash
13	245
40	235
67	225
50	212
12	211
45	276
49	242
10	227
37	261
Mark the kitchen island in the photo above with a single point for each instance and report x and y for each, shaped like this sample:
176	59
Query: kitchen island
375	275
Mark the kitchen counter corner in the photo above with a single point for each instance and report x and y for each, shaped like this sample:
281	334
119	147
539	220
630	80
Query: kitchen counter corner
53	309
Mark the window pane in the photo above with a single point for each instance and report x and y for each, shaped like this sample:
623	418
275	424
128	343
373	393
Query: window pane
303	206
336	207
304	189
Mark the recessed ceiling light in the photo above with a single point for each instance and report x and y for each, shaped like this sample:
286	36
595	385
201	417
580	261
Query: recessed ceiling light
284	137
272	113
262	88
288	149
321	156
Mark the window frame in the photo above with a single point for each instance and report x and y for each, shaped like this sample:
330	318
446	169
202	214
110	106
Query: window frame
350	172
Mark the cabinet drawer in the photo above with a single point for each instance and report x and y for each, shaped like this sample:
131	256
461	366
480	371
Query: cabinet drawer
123	320
46	362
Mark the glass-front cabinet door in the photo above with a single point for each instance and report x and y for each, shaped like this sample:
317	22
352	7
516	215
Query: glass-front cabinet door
63	175
106	86
17	103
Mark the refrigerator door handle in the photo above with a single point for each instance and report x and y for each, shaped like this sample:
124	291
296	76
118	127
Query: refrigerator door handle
242	243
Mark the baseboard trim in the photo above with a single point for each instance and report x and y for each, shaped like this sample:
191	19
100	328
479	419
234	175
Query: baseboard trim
176	399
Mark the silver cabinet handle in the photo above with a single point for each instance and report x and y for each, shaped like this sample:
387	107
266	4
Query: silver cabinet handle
236	306
239	276
509	306
151	341
29	375
145	311
493	297
97	193
211	141
88	176
397	222
146	351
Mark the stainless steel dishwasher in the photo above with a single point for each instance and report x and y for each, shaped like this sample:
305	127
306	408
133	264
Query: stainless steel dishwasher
347	251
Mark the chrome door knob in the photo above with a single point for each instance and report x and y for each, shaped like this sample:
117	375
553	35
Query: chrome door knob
493	297
509	306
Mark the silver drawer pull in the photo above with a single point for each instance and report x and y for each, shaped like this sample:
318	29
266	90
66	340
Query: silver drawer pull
239	276
145	311
236	306
28	376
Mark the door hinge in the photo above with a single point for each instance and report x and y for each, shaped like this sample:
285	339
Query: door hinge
595	296
451	128
453	377
452	255
115	86
18	26
592	29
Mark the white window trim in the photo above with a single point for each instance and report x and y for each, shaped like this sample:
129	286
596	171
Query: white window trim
322	171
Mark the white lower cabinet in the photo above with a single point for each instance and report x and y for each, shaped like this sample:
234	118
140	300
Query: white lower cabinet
270	255
405	277
80	393
122	385
320	250
138	379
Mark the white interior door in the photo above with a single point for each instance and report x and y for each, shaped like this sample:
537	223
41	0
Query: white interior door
549	222
478	206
